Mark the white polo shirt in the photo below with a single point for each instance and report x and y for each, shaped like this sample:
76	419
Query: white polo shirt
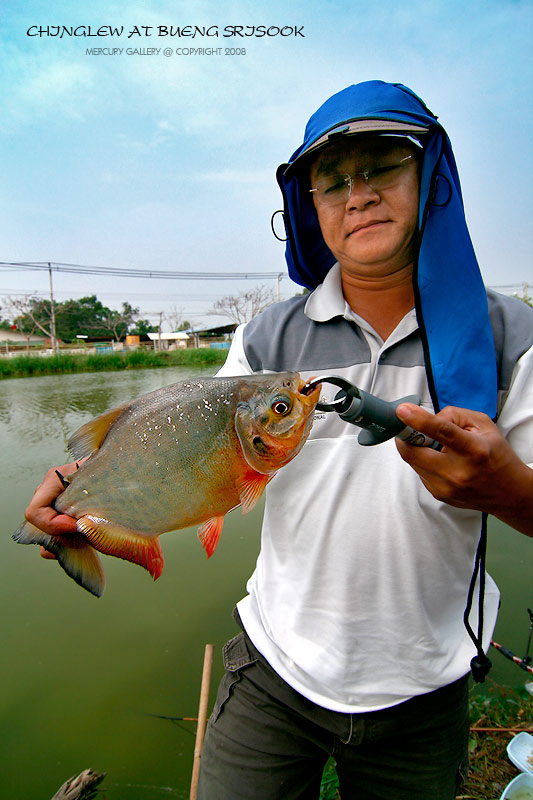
359	591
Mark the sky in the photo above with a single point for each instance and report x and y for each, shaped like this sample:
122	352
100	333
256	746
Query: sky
167	162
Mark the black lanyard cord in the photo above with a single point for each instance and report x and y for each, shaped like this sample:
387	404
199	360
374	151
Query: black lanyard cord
480	664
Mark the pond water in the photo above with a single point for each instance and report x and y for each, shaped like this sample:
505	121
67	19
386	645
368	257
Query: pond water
83	680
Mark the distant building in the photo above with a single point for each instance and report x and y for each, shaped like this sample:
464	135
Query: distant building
18	340
218	337
169	341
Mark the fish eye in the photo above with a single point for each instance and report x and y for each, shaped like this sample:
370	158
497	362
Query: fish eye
281	406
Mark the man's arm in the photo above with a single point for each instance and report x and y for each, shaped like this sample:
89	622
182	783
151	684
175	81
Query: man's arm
476	468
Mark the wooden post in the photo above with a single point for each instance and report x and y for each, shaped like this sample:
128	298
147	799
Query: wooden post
202	717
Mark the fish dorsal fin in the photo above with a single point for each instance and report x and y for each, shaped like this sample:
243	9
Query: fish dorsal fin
209	534
250	487
91	435
116	540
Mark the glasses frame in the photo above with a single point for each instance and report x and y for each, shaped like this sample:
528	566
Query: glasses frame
350	180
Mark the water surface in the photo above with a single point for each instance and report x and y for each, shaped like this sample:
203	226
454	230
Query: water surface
81	677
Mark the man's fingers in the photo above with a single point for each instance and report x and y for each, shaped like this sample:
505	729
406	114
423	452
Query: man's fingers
40	511
451	427
45	554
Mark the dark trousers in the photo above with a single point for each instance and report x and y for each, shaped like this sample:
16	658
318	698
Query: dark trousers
265	741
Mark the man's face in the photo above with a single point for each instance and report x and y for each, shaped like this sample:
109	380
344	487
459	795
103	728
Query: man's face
373	232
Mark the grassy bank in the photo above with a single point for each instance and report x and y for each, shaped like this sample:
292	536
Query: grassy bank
26	366
492	714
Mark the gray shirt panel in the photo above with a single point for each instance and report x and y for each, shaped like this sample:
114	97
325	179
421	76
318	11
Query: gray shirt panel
284	338
512	327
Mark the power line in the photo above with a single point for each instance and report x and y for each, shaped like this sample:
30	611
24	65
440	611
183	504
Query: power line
129	272
150	296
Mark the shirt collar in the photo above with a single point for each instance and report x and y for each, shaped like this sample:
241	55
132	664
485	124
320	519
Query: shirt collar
327	302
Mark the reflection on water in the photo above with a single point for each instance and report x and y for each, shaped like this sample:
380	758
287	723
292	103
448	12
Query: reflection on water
81	676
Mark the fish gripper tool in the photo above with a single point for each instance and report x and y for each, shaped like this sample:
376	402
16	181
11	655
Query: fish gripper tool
375	416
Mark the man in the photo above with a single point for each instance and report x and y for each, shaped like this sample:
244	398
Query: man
353	642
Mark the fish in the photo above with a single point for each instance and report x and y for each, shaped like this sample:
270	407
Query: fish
183	455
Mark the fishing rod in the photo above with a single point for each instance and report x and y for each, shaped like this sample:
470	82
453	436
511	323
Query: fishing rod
526	662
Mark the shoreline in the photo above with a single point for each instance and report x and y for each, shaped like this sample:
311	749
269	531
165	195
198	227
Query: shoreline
24	366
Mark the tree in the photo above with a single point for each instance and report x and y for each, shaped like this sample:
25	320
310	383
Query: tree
525	299
31	314
89	316
118	322
86	316
244	306
142	327
5	325
174	317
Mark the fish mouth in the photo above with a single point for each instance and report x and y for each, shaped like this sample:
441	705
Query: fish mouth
310	390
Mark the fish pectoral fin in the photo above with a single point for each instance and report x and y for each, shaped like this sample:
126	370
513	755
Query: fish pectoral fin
72	551
209	534
250	489
116	540
91	435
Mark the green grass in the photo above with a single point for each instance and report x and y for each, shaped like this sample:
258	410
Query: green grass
24	366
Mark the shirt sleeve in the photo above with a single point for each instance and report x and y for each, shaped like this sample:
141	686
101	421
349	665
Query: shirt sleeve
236	363
516	418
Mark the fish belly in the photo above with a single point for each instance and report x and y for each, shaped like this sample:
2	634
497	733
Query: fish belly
155	475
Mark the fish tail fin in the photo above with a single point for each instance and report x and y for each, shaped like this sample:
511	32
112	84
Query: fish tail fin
209	534
72	551
116	540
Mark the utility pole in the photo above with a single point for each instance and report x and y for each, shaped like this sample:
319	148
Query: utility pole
278	281
52	312
160	323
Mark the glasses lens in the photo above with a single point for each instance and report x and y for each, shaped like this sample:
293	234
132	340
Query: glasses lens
334	189
385	175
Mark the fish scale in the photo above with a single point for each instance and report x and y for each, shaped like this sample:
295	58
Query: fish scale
179	456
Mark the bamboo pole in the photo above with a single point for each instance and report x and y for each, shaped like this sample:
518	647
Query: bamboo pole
202	717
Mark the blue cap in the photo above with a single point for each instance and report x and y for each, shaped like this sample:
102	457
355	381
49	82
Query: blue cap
451	301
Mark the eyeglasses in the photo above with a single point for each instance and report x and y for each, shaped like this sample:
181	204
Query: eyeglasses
335	189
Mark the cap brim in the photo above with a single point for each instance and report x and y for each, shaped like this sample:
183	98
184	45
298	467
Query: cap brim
354	127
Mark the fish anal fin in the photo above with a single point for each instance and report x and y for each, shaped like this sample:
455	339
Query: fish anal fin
91	435
116	540
75	555
250	487
209	534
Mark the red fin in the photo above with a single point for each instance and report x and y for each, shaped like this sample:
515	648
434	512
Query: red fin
250	489
116	540
209	534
